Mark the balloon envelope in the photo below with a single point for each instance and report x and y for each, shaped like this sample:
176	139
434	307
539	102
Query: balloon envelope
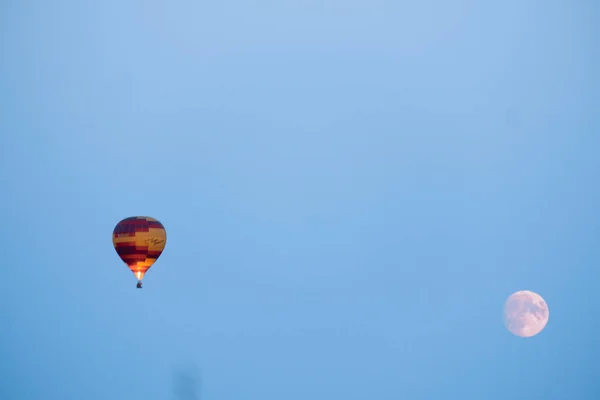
139	241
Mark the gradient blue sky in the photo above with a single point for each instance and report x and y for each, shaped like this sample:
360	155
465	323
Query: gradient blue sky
351	189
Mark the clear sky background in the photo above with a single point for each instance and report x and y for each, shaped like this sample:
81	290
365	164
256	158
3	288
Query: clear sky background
351	189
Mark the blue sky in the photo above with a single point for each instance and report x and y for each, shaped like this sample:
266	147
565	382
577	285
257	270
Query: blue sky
350	190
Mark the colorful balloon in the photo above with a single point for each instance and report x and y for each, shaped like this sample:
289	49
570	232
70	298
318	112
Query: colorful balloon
139	241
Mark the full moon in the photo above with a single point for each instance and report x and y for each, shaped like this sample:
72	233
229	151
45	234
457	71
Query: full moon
525	313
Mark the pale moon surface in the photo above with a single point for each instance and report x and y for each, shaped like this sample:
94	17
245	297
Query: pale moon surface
525	313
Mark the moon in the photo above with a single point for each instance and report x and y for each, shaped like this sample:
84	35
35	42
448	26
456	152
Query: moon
525	313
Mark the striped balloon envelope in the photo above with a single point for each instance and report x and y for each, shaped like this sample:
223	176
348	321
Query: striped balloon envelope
139	241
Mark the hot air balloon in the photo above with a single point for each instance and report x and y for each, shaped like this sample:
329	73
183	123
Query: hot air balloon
139	241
